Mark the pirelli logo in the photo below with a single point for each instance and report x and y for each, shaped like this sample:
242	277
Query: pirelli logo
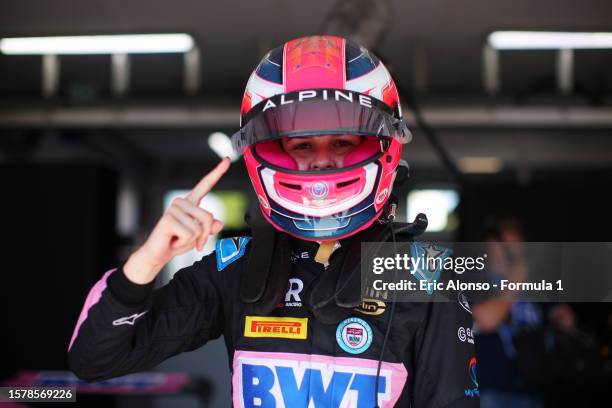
278	327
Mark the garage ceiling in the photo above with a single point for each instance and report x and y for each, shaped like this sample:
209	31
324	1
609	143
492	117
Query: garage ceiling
435	44
234	34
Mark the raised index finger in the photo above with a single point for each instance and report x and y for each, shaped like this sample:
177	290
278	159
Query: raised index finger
208	182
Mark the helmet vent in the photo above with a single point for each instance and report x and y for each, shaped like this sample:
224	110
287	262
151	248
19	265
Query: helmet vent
347	183
291	186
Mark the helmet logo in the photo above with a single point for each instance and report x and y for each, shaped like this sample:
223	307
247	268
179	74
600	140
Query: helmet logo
382	195
319	190
339	96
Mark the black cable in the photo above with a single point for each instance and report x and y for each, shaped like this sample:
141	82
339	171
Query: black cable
415	228
389	324
431	135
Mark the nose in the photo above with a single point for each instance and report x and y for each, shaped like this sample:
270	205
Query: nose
322	161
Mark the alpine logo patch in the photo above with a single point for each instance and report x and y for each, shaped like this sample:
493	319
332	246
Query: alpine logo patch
432	270
267	379
230	249
276	327
354	335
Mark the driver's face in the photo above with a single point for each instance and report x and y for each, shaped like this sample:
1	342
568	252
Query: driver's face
320	152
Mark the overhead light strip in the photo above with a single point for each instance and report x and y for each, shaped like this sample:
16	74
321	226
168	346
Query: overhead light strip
547	40
98	44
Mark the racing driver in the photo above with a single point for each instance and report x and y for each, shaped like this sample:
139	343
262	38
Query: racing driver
322	135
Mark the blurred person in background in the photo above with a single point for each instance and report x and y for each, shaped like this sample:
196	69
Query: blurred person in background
528	350
322	135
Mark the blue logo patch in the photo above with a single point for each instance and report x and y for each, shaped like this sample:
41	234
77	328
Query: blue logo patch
230	249
354	335
430	260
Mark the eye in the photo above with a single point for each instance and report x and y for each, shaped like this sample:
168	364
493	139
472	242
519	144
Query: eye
344	143
301	146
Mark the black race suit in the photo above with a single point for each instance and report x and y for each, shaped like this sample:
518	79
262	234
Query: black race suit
287	358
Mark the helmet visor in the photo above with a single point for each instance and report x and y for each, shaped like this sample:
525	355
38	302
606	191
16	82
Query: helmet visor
319	112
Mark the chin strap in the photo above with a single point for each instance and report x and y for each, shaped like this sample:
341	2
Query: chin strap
338	290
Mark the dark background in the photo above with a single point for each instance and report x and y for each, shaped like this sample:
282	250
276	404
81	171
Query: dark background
65	159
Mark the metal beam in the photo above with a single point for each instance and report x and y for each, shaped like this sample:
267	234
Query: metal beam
205	117
565	71
50	75
192	71
139	117
120	74
490	70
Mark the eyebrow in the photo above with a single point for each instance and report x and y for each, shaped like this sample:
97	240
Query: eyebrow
298	139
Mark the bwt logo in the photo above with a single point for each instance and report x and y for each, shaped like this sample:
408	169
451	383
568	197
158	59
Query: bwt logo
292	382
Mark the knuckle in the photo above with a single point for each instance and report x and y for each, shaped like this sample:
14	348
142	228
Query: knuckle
180	232
167	218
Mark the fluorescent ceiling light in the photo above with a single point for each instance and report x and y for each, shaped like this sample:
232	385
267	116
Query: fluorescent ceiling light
542	40
480	164
221	144
98	44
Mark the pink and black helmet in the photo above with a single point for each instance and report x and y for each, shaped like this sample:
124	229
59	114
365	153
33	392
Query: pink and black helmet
321	85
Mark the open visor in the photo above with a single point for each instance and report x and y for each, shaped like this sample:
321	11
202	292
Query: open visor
319	112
